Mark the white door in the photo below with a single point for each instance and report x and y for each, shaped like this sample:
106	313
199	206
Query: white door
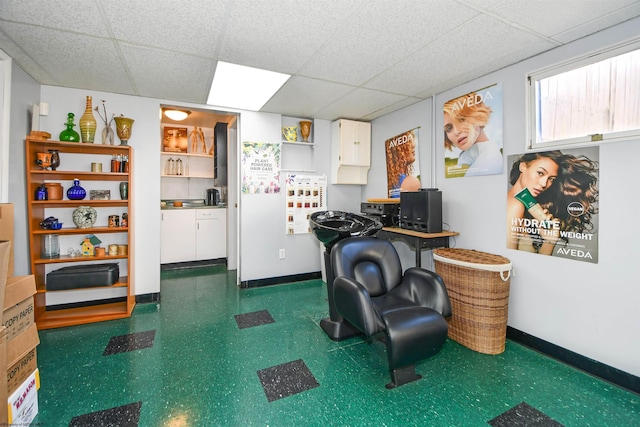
178	236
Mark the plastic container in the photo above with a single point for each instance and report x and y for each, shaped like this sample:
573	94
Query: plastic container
478	286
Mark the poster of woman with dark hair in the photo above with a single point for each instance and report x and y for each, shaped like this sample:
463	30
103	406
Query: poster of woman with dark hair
552	203
473	133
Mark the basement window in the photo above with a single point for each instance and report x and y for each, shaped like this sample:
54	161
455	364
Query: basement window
590	99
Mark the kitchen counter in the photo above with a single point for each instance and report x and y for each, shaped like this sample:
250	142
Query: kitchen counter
164	208
188	204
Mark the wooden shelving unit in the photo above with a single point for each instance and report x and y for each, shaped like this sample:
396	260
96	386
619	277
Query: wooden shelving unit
75	164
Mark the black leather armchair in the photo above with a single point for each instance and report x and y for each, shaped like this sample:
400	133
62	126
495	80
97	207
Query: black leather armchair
373	295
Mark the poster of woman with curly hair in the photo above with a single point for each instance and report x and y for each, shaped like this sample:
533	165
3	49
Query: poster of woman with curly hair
403	170
473	133
552	203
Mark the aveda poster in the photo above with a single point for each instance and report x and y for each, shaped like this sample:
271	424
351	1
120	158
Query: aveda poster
260	168
403	168
552	203
473	132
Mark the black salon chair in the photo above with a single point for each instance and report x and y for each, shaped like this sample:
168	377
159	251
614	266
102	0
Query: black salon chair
373	295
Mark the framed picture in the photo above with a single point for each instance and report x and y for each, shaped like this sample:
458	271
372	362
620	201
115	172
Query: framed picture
99	194
175	139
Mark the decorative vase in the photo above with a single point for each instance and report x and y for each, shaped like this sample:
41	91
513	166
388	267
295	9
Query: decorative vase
84	216
76	192
55	159
124	190
43	160
290	133
123	128
88	123
108	136
305	130
69	134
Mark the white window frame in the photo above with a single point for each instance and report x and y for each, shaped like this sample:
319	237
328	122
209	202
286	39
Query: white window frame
571	64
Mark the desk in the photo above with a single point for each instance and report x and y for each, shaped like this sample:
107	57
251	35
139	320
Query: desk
417	240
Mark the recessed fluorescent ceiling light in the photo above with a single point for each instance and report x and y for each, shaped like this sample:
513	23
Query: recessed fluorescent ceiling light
247	88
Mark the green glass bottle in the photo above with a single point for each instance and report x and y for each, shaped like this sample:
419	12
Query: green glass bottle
69	134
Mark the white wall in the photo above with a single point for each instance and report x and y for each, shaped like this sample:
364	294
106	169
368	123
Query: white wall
263	216
24	93
590	309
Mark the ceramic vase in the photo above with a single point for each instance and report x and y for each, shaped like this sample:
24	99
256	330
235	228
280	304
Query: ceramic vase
108	136
305	130
88	122
124	190
76	192
84	216
69	134
123	129
55	159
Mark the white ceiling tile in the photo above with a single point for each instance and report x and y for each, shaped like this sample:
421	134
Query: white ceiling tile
188	26
358	104
599	23
281	35
187	78
79	16
404	102
440	62
95	62
381	35
302	97
550	18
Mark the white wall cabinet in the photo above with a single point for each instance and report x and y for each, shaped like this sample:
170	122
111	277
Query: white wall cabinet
193	235
350	151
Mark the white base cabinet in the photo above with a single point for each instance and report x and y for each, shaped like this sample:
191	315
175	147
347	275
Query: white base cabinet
211	233
193	235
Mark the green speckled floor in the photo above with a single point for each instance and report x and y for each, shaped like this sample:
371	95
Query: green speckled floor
199	368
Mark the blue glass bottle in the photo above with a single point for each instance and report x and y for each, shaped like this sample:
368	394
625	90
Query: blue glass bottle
76	192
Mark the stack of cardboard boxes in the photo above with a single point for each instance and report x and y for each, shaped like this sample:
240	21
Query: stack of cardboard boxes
18	334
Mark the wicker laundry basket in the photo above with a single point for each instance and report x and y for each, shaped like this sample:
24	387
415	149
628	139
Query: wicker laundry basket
478	287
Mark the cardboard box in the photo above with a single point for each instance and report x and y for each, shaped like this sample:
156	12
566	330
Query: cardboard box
4	395
23	403
21	345
5	247
20	371
18	309
6	231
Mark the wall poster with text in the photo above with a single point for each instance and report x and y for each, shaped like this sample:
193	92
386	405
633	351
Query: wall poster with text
473	133
403	164
260	167
306	194
552	203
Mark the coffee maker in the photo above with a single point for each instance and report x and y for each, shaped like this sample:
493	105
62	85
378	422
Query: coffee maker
213	197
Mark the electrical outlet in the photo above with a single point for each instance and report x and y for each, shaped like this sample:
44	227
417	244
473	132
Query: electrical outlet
282	255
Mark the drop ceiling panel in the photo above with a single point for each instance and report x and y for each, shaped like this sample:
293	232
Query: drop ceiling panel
78	16
70	59
303	97
438	62
192	27
381	35
404	49
169	75
558	16
280	36
358	104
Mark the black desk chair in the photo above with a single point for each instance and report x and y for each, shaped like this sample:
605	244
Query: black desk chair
373	295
